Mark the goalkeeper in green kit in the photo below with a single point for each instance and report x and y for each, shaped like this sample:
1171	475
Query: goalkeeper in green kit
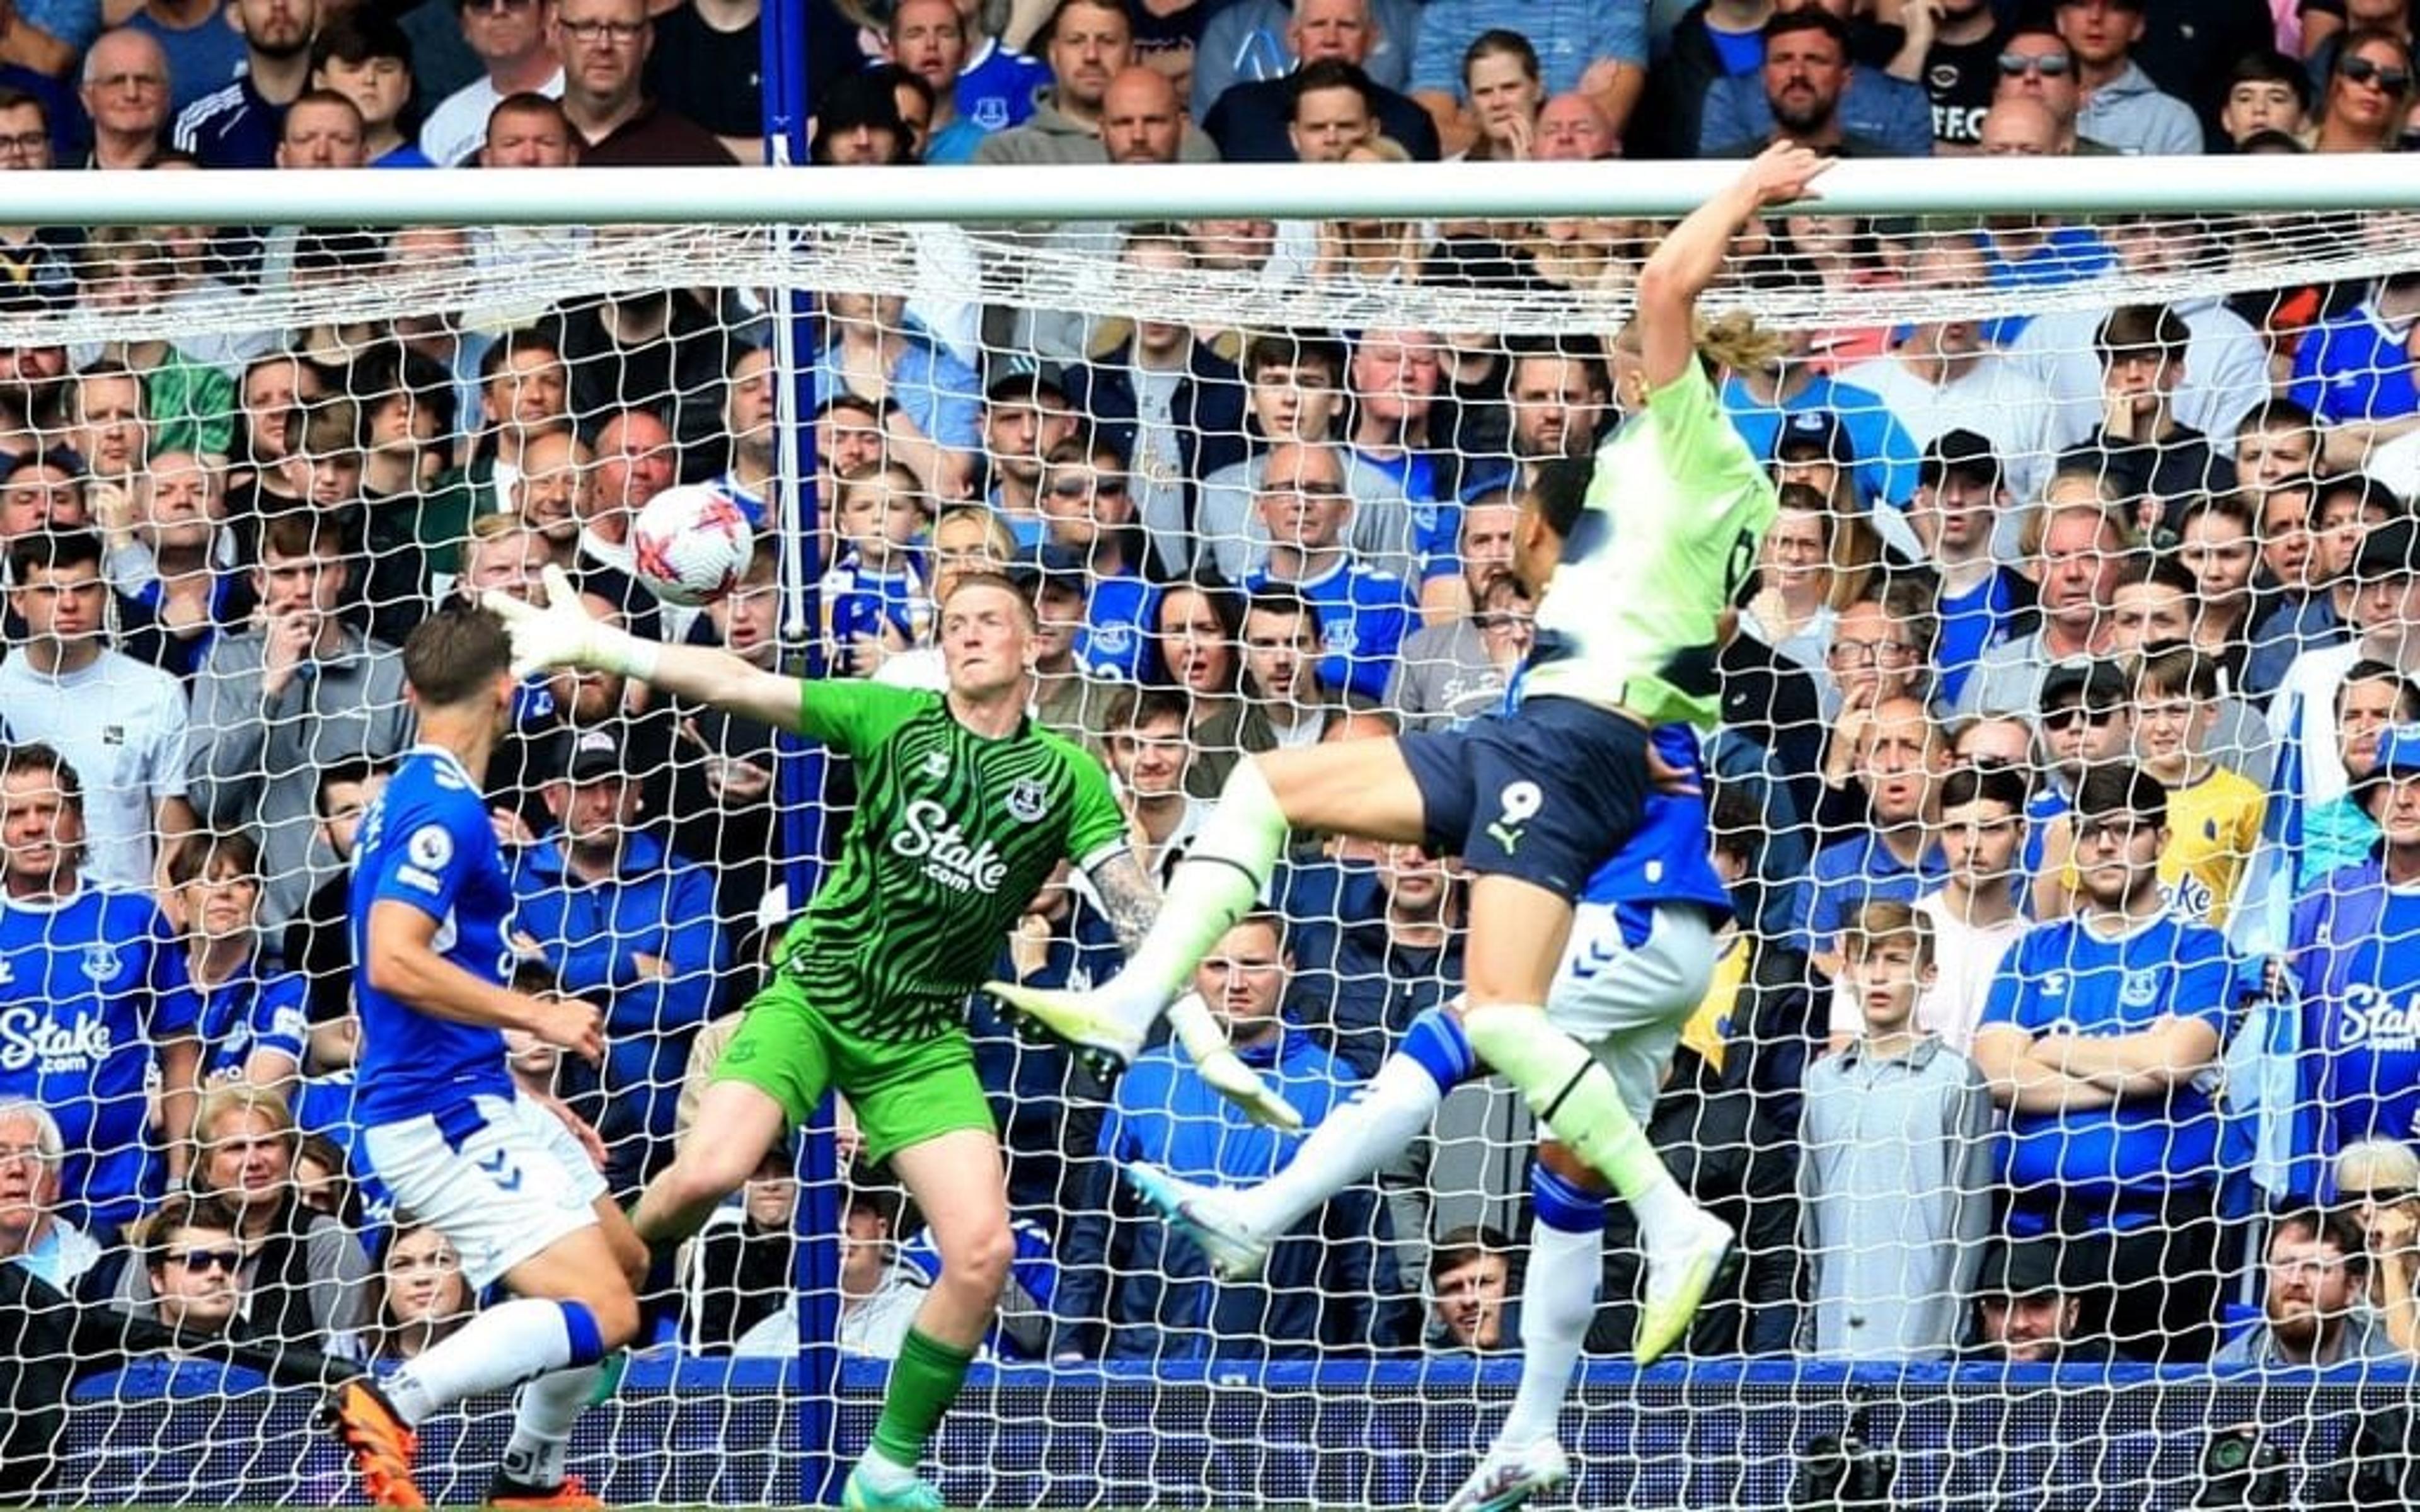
964	807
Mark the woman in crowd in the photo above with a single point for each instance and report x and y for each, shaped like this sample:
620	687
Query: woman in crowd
1196	650
417	1299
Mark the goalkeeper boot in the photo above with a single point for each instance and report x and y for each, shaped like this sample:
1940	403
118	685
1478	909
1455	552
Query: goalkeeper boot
505	1491
867	1490
1680	1270
1511	1475
1099	1038
380	1443
1207	1217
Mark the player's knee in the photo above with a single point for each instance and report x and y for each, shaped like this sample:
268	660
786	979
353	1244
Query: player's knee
1564	1161
975	1264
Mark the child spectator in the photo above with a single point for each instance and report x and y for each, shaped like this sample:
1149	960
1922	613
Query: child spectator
2214	815
874	597
364	57
1473	1288
1896	1168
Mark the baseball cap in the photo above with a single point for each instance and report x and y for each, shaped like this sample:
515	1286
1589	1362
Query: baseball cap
2097	685
2392	549
591	754
2018	1268
1968	454
1816	432
2398	751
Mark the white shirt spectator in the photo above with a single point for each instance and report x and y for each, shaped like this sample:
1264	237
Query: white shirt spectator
2226	370
121	725
457	128
1993	397
2305	709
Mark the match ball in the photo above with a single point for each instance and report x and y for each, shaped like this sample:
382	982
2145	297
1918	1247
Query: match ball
690	544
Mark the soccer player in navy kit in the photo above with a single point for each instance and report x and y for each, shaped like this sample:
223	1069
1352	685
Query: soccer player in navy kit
502	1177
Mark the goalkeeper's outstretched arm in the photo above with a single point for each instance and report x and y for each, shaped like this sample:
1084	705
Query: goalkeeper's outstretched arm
1689	258
563	634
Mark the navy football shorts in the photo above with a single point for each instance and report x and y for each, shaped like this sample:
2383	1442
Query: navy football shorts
1547	793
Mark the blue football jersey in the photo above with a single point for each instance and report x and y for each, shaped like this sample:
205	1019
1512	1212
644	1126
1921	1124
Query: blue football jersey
426	842
260	1008
89	987
2062	977
998	88
1364	613
2367	1038
1668	858
1117	615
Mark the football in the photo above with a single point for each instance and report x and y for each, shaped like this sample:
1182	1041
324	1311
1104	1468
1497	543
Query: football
690	544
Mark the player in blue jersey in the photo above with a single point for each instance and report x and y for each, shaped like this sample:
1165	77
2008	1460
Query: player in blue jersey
1634	557
500	1175
93	997
1640	959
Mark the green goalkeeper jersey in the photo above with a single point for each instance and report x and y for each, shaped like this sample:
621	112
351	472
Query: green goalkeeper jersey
954	833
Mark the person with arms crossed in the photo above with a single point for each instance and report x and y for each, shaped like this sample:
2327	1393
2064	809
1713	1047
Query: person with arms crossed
1638	555
458	1147
965	807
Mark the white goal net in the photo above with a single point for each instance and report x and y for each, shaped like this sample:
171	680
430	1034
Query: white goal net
2057	1071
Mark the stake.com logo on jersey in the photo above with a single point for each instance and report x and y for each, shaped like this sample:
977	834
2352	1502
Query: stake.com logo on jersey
933	838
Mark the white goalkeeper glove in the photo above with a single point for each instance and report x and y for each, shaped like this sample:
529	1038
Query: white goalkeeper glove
1203	1041
564	634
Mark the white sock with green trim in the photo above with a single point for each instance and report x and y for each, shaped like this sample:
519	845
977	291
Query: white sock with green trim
1220	881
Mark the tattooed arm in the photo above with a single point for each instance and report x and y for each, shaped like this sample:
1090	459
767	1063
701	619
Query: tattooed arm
1128	897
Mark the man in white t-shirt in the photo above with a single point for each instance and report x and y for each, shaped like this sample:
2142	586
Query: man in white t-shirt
512	40
119	724
2387	608
1973	912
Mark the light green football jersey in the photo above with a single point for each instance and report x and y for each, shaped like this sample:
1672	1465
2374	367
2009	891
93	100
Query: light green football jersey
954	834
1673	519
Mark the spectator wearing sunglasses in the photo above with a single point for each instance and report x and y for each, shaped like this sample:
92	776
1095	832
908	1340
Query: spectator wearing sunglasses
2119	105
2035	64
2361	105
196	1266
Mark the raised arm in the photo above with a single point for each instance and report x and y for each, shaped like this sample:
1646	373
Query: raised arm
1688	259
563	634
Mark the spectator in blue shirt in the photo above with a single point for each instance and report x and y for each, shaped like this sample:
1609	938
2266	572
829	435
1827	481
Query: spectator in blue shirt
1364	612
1598	47
2356	371
93	998
2354	951
631	927
237	126
1900	759
874	350
1133	1289
1806	92
255	1014
2101	1037
1088	526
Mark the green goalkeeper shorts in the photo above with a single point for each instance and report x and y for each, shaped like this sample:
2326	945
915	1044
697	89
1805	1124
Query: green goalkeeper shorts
904	1092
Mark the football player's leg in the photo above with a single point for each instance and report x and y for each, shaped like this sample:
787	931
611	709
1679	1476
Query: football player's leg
771	1078
1362	788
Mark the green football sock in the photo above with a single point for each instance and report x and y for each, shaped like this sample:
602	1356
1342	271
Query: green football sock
924	1379
1577	1098
1218	882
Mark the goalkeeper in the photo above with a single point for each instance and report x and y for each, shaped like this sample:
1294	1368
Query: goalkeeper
964	810
1636	560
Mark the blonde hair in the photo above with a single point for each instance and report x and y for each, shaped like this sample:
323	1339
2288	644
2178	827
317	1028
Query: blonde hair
2388	1163
264	1103
1731	340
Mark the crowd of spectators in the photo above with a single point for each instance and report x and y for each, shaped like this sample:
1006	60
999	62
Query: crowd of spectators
2068	786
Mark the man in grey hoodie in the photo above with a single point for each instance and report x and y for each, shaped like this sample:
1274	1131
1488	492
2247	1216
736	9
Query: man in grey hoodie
2121	106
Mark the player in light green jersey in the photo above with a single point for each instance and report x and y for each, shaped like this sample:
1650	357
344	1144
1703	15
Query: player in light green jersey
1631	601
